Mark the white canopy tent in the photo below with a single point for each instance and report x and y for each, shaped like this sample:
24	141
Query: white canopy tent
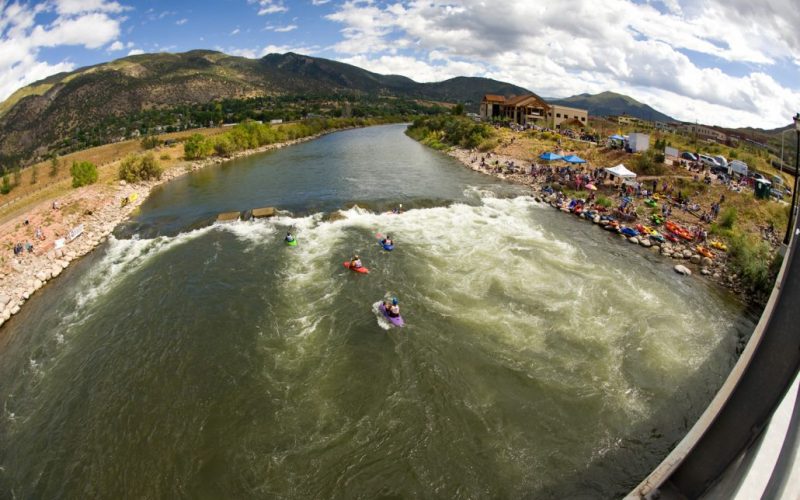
620	172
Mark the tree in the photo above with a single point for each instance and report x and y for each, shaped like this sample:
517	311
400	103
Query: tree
458	109
83	173
17	176
150	141
6	186
53	166
196	147
34	173
140	168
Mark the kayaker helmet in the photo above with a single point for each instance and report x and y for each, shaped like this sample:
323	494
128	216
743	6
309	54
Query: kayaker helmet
356	256
394	301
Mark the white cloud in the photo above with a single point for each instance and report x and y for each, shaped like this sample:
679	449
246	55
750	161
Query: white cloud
269	6
577	47
89	23
181	22
90	30
319	2
284	29
135	52
68	7
235	32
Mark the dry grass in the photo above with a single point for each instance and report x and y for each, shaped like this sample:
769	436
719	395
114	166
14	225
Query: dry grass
106	158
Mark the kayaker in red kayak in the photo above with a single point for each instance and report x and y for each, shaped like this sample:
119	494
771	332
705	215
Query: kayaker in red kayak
355	262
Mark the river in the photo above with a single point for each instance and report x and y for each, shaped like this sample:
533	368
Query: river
541	357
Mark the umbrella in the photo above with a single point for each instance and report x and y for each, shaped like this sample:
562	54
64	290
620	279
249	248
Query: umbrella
591	187
549	156
573	159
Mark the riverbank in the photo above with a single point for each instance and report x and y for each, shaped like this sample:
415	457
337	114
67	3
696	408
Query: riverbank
82	219
685	256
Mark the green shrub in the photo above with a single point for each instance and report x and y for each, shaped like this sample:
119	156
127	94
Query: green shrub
728	218
604	202
140	168
197	147
6	187
165	157
750	258
150	142
83	173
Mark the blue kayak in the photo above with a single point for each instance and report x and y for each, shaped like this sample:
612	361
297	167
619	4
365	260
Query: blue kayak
386	247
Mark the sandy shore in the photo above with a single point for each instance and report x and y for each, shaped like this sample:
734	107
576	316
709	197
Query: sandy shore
96	209
684	255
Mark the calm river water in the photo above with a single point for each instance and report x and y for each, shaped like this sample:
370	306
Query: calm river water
541	357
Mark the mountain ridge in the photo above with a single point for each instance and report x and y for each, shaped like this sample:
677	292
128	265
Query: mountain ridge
58	112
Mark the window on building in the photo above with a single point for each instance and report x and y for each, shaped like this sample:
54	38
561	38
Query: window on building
558	115
583	119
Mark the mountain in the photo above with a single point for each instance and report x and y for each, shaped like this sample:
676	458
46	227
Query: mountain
62	110
611	103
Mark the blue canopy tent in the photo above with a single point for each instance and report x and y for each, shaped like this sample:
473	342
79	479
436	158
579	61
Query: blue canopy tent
549	156
573	159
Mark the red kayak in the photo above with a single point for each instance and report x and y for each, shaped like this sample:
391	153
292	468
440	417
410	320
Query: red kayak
361	269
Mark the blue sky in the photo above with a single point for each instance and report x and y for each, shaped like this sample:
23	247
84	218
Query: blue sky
720	62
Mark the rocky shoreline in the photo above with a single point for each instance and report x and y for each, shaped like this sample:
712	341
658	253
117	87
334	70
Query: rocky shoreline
685	257
97	209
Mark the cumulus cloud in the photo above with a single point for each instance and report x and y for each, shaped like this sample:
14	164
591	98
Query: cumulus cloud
88	23
576	47
135	52
181	22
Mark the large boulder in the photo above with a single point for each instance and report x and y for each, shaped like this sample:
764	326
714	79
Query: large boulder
706	262
645	242
695	259
634	240
681	269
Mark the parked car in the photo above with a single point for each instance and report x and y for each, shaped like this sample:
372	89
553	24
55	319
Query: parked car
776	193
756	176
689	156
709	161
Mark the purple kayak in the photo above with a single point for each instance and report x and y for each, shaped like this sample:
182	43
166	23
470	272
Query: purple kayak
396	321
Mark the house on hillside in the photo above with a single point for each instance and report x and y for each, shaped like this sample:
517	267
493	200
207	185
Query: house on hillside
529	109
704	132
625	119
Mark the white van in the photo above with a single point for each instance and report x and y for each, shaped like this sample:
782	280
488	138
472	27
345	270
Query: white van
721	160
738	167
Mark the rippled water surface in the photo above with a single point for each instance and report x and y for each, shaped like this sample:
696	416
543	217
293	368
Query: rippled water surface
541	356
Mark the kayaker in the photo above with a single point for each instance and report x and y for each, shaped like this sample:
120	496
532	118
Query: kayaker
289	238
393	308
387	241
355	262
